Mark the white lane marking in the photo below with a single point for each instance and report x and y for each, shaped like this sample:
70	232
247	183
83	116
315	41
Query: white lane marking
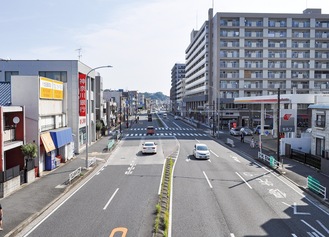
299	213
56	208
232	235
204	173
294	235
243	180
236	159
104	208
214	153
163	169
312	228
319	222
277	193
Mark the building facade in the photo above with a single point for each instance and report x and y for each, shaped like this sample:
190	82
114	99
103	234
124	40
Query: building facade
251	54
73	73
177	75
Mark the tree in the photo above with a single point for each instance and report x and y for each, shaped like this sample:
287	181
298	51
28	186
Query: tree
29	150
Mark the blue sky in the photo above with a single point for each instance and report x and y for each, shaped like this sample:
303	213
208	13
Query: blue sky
141	39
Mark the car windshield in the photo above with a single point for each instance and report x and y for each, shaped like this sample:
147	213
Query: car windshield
202	148
149	144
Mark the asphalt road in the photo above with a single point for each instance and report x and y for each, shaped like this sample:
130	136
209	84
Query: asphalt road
233	195
229	195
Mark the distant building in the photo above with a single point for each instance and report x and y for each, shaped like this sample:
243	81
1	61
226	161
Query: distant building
177	75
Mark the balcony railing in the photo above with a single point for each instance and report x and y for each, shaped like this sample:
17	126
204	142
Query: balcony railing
9	135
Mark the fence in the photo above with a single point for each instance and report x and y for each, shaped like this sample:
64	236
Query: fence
74	174
315	186
9	174
306	158
270	159
230	142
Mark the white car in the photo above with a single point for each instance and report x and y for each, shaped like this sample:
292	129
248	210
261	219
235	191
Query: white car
201	151
149	147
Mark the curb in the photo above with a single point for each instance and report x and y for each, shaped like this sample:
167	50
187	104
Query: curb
27	221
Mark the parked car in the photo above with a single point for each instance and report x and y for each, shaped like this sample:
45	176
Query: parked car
266	128
201	151
235	131
150	130
164	116
246	131
149	147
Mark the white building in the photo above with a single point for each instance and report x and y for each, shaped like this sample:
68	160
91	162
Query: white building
45	118
73	73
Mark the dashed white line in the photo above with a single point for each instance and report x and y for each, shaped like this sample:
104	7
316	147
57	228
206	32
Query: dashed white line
243	180
110	199
204	173
214	153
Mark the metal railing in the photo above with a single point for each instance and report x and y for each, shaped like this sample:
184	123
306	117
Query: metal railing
315	186
91	161
74	174
270	159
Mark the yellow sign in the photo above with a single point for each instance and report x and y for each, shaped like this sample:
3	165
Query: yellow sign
51	89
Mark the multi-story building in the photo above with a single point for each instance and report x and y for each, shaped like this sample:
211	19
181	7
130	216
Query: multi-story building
250	54
73	73
177	75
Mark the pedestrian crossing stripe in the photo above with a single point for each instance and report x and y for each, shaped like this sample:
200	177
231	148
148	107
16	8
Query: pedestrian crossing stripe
162	128
168	134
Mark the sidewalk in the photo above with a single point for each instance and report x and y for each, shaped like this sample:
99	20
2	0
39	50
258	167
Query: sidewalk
32	199
293	170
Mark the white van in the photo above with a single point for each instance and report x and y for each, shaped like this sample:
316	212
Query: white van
164	116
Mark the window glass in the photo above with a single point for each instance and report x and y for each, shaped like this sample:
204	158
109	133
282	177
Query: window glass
8	75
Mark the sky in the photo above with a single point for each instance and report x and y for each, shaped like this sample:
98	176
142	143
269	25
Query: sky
141	39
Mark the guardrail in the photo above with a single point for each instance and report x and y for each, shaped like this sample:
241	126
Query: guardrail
315	186
91	161
230	142
270	159
110	144
74	174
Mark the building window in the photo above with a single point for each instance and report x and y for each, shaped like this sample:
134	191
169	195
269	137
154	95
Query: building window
59	76
320	120
8	75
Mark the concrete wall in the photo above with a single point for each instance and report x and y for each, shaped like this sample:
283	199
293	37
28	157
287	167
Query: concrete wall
301	144
11	186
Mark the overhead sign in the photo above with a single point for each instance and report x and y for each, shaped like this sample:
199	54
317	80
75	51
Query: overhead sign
51	89
287	120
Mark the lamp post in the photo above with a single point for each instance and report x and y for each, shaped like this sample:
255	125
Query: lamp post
88	111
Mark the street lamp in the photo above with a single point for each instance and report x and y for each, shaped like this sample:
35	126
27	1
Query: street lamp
88	111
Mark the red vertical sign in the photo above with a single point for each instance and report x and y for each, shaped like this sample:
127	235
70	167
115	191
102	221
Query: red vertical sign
82	94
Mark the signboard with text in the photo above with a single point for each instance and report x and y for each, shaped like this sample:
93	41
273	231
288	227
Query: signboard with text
51	89
82	94
287	120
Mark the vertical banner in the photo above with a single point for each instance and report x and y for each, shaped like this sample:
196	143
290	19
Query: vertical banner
82	94
287	120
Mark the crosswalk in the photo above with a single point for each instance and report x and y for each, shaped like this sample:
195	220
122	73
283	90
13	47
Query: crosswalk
168	134
166	131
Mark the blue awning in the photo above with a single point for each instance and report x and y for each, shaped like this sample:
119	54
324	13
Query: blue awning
61	136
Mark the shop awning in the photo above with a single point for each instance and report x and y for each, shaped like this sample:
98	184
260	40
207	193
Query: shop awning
47	142
61	136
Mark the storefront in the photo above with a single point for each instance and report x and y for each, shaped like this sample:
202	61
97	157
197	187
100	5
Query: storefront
62	139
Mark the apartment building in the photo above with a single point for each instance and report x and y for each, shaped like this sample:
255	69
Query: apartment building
177	75
251	54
